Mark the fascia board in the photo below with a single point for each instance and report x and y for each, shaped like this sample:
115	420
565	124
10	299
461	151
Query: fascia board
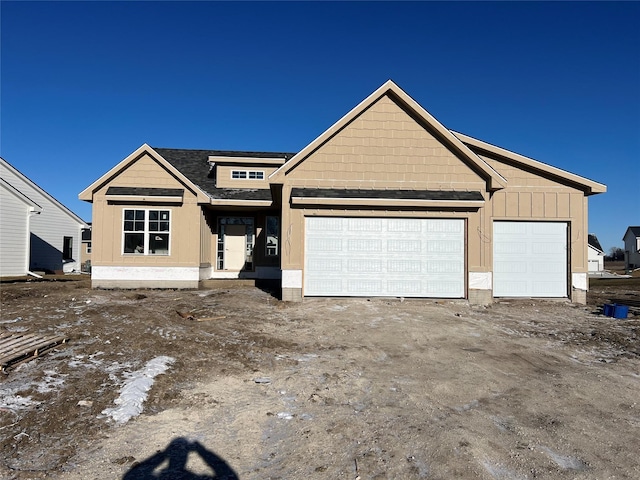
44	193
591	186
240	203
143	198
276	176
20	196
244	160
87	193
384	202
496	180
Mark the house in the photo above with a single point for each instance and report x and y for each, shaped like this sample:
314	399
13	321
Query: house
595	255
386	202
37	232
631	248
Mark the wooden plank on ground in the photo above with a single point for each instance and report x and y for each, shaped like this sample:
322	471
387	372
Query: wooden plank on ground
18	348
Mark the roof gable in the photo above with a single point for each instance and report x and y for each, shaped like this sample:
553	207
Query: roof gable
635	231
418	114
19	195
483	148
593	242
87	193
40	191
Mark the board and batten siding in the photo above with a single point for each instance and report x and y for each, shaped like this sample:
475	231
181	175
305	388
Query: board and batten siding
49	228
14	233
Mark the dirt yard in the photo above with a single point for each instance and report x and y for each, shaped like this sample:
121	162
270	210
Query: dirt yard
253	388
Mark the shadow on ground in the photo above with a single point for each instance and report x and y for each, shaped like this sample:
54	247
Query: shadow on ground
171	463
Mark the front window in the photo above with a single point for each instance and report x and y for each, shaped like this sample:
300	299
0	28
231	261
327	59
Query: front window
272	236
146	232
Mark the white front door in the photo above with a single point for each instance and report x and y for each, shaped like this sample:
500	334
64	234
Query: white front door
530	259
397	257
235	247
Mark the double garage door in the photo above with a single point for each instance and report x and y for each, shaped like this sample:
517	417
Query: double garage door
410	257
396	257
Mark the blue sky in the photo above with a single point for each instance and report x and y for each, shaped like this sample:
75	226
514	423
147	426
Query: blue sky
83	84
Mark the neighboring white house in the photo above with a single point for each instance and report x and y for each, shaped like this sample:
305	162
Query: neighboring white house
595	255
52	243
632	248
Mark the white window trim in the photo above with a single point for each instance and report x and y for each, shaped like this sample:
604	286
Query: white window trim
259	174
146	233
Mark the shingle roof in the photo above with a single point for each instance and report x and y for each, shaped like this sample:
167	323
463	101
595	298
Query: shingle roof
634	230
593	241
383	194
194	164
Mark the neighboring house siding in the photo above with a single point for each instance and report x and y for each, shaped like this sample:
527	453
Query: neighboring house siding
49	228
14	234
596	260
632	248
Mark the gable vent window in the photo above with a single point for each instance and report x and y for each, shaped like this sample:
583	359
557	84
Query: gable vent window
146	232
247	174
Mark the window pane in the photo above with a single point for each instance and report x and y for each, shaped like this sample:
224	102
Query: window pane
134	243
159	244
164	226
128	214
272	236
164	215
153	214
139	214
139	226
128	225
153	226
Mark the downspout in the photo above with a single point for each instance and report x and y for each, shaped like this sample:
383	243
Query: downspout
28	244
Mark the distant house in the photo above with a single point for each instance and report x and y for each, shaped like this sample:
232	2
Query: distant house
632	248
595	254
37	232
386	202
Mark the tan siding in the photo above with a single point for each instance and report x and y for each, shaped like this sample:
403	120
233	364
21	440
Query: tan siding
107	229
224	180
385	148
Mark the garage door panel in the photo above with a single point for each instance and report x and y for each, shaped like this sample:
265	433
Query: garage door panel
530	259
385	257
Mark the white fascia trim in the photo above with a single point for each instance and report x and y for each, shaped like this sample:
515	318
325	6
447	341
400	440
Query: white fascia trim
140	198
145	273
378	201
248	203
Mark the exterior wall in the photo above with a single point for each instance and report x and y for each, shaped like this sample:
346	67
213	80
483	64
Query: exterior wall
14	234
49	228
108	258
532	197
384	147
224	180
631	251
85	254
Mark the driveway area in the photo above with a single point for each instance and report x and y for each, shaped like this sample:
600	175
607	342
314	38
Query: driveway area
233	383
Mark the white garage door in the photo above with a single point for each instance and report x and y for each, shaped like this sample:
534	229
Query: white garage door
529	259
398	257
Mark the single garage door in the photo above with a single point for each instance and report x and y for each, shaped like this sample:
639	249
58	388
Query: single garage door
530	259
398	257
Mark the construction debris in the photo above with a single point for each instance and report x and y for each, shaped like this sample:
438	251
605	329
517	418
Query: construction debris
19	348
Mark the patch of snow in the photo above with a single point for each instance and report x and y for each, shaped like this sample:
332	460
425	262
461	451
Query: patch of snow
134	391
565	462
